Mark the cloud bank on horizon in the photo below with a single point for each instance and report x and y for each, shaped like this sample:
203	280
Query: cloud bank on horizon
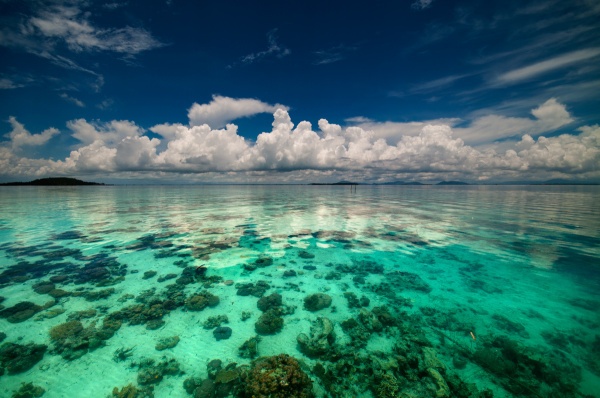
421	151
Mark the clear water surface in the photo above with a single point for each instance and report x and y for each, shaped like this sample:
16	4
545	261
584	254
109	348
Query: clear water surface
423	291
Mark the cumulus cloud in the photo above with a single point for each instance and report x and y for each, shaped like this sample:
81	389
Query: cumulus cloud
290	152
392	132
222	110
566	153
106	133
19	136
549	116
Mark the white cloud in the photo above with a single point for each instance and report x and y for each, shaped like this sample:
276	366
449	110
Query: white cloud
72	100
20	137
548	65
549	116
222	110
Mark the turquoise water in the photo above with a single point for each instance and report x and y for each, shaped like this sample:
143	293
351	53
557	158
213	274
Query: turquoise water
421	291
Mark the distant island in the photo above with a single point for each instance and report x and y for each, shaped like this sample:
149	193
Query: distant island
335	183
452	183
52	181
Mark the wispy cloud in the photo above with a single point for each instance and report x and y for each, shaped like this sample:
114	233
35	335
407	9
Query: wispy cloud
8	84
72	100
273	50
73	26
421	4
115	5
548	65
56	31
436	84
105	104
333	54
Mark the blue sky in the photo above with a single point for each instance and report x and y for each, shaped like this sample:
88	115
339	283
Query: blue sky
422	90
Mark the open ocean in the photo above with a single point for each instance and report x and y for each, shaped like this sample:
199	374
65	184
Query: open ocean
299	291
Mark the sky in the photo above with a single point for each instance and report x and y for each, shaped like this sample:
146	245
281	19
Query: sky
300	91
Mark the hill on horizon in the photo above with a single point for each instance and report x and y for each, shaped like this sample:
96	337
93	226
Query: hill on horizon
53	181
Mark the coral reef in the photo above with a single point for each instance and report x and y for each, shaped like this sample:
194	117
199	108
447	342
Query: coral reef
320	339
317	301
166	343
250	348
148	275
271	301
215	321
355	302
28	390
71	340
21	311
131	391
257	289
151	373
278	376
200	301
17	358
121	354
270	322
222	333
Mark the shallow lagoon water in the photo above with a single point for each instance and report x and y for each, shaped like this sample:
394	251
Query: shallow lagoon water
435	291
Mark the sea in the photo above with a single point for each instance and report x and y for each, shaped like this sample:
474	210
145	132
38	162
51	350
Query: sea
300	291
